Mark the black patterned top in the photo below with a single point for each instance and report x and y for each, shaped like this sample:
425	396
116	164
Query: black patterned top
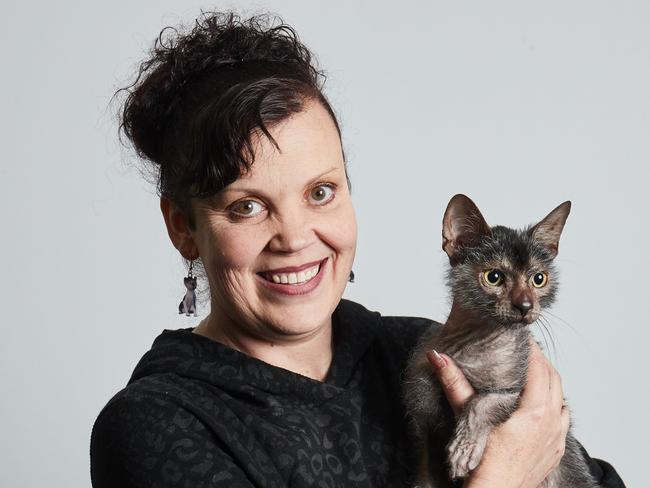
197	414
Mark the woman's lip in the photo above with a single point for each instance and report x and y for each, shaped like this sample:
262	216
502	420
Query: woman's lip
296	289
292	269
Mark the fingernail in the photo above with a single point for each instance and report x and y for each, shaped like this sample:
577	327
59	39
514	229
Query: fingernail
436	359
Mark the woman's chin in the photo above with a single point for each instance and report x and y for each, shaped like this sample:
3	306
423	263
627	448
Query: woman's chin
302	308
299	319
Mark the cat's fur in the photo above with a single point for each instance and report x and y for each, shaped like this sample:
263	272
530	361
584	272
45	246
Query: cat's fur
487	336
188	303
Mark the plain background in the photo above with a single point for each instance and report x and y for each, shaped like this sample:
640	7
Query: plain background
520	105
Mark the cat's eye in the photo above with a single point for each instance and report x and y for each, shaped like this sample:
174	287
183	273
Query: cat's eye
539	279
493	277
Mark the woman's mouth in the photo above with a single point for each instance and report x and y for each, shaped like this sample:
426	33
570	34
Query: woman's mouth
293	278
295	282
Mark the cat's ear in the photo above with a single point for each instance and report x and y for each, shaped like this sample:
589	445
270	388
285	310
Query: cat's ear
548	230
461	225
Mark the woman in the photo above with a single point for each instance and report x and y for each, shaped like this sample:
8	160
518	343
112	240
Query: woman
283	383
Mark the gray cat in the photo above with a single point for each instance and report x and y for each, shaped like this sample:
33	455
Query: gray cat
500	279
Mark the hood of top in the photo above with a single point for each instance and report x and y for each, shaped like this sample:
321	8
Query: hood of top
183	353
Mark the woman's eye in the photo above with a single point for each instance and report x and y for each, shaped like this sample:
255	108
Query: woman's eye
322	194
493	277
247	208
539	279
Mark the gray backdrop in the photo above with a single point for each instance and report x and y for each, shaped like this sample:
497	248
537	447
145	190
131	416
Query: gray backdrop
520	105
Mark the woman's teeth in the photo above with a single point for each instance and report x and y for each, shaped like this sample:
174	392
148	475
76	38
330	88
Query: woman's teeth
294	278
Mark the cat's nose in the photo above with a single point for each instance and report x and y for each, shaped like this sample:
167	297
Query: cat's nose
523	307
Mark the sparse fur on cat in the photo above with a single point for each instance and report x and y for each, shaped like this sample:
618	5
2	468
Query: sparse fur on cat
500	280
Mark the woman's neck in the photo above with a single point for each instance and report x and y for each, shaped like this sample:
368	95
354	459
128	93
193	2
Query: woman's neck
309	355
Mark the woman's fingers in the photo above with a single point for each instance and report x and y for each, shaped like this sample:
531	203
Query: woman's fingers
565	422
538	362
557	394
456	387
538	384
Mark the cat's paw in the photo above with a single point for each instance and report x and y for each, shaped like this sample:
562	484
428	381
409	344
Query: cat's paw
464	452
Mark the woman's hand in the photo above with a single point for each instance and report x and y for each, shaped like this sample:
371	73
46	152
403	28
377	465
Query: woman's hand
522	451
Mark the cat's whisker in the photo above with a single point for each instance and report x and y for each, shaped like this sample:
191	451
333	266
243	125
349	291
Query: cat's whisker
544	323
541	330
564	322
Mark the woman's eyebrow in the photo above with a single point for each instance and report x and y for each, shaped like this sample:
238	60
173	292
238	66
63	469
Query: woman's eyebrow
242	186
320	176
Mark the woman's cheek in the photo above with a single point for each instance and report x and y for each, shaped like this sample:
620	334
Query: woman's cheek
350	227
238	247
342	229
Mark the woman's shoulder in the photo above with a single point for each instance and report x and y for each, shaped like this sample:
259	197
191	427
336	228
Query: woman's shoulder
142	438
158	391
136	408
402	331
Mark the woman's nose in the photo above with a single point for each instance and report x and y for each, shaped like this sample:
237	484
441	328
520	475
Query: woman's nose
293	232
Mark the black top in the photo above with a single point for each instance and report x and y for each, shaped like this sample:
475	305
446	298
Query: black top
198	414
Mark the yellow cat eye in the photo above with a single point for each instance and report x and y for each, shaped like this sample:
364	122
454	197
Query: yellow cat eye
493	277
539	279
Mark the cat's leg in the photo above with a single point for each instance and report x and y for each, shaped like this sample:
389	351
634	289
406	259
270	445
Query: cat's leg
422	476
424	403
483	412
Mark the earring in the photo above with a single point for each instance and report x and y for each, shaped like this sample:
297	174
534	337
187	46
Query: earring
351	278
188	303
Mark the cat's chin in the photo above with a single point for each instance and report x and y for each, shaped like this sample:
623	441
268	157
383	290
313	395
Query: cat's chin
519	322
519	325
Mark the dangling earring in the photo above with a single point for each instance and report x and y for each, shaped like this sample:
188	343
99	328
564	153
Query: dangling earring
351	278
188	303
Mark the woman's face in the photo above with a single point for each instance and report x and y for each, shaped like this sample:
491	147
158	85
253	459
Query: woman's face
264	236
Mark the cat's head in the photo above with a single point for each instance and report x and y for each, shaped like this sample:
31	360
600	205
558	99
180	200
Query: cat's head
190	283
499	272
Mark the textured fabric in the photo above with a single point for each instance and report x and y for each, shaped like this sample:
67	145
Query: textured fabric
196	413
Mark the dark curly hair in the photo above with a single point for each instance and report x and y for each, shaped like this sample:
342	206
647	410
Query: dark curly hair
202	93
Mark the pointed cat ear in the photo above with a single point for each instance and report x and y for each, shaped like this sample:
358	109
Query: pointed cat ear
461	225
548	230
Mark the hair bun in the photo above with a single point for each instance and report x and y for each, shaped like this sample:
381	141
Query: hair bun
218	39
202	92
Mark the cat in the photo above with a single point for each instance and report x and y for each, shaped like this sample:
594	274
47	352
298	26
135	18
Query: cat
188	303
500	280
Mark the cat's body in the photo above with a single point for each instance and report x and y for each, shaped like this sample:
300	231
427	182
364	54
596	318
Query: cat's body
500	279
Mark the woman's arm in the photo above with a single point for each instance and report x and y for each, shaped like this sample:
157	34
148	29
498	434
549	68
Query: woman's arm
149	443
523	450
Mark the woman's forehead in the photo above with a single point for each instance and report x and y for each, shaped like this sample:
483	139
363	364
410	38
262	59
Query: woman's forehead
285	174
309	134
308	145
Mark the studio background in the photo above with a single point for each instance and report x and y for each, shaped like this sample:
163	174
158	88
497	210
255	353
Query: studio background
520	105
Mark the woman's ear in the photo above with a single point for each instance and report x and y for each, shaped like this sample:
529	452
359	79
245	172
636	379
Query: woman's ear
178	229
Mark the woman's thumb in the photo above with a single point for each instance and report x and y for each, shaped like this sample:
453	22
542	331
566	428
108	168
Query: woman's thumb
454	384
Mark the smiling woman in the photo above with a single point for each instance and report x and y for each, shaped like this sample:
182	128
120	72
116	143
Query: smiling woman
290	216
284	383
